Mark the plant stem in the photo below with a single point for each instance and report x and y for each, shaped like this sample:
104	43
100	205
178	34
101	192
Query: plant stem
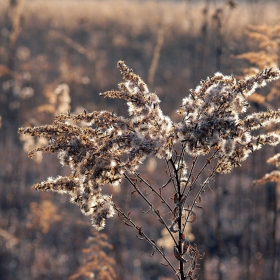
180	226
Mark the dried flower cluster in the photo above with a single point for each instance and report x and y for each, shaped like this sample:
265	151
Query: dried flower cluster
97	263
267	56
273	176
42	215
213	117
103	148
58	102
100	147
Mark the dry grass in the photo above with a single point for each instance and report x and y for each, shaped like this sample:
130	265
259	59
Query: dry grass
136	16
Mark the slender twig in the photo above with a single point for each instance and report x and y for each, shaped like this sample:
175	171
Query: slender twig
79	48
202	187
152	206
190	173
168	181
208	161
171	175
150	241
152	188
176	175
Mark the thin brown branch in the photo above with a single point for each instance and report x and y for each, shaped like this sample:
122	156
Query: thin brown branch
152	188
202	187
143	235
151	205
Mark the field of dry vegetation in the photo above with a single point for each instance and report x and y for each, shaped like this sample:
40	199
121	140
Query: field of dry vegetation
172	45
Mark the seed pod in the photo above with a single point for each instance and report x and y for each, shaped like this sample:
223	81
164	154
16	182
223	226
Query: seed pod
176	198
183	199
140	231
128	224
178	255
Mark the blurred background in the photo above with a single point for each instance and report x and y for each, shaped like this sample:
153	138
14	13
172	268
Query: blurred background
58	55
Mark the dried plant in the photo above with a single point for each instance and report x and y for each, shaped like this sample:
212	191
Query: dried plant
214	135
98	265
156	56
268	55
268	38
58	102
42	215
16	7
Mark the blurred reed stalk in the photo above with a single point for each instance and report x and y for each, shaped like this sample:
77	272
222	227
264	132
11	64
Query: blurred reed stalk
156	56
16	9
10	114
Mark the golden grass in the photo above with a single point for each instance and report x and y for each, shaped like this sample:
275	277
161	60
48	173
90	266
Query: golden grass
136	16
